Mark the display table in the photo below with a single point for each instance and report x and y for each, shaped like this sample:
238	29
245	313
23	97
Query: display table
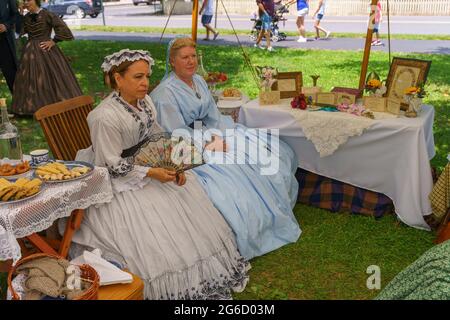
58	200
390	157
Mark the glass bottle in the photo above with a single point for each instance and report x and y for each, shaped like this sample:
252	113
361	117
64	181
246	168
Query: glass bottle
10	146
200	69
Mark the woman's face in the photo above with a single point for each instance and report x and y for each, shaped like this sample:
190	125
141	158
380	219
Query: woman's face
30	5
134	82
185	62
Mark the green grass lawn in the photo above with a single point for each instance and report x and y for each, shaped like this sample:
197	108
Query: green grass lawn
332	255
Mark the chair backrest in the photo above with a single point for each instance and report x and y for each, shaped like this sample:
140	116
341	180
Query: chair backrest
65	126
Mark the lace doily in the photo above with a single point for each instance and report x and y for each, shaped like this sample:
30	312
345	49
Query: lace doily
55	201
327	130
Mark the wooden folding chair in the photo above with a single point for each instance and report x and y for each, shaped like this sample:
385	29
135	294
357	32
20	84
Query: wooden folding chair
65	126
66	130
443	232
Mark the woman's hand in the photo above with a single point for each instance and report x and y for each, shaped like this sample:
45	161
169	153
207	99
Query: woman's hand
181	178
162	175
217	144
47	45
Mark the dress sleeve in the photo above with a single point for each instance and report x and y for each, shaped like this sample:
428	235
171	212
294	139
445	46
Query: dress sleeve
107	148
62	31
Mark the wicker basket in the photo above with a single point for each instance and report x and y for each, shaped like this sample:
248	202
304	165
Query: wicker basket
88	274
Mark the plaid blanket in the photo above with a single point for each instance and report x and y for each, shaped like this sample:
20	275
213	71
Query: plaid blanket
440	195
337	196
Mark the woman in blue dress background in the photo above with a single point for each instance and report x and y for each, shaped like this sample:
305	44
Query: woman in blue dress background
257	207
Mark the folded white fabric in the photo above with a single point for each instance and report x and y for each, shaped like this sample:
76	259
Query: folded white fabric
108	273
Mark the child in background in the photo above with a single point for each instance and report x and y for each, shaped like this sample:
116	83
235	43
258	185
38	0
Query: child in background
376	28
319	15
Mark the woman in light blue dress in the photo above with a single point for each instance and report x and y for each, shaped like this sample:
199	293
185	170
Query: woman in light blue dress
257	206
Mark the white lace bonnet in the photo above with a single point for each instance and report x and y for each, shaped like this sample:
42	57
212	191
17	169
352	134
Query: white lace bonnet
117	58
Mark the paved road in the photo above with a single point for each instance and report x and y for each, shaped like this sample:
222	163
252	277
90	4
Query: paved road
417	46
143	15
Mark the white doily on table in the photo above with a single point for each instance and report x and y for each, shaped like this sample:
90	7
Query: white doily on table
55	201
328	130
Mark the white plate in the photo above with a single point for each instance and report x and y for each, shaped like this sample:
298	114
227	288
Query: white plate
27	174
230	98
71	165
23	199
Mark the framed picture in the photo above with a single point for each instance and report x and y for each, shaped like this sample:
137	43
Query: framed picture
405	73
393	106
376	104
289	84
345	98
356	92
325	99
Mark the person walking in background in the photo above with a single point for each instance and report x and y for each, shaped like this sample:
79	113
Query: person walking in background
266	10
376	27
320	11
302	12
8	59
208	12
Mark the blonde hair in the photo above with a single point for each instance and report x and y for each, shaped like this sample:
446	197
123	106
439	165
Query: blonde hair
179	44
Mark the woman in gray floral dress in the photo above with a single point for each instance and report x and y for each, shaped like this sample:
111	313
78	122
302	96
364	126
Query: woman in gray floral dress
428	278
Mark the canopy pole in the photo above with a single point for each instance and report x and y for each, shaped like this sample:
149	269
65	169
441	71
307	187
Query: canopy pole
194	20
365	62
389	32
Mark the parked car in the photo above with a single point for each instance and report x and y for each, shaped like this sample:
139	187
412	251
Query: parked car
148	2
80	8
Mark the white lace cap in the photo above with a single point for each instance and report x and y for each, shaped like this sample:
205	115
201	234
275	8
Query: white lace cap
118	58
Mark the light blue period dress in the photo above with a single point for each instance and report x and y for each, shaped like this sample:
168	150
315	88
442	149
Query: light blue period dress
257	207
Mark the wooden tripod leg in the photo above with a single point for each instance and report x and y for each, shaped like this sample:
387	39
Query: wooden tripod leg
73	224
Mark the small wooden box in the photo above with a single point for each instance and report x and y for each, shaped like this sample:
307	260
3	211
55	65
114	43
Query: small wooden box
356	92
269	97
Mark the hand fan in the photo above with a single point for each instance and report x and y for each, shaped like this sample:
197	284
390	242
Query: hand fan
164	151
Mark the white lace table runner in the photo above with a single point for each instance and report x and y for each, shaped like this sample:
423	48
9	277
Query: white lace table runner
329	130
55	201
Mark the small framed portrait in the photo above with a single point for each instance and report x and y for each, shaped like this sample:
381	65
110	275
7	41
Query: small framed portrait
405	73
393	106
345	98
325	99
289	84
376	104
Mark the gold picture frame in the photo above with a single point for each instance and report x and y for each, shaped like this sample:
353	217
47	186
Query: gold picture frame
376	104
393	106
289	84
325	99
405	73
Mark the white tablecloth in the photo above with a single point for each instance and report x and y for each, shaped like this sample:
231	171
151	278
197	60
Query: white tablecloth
391	157
54	201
